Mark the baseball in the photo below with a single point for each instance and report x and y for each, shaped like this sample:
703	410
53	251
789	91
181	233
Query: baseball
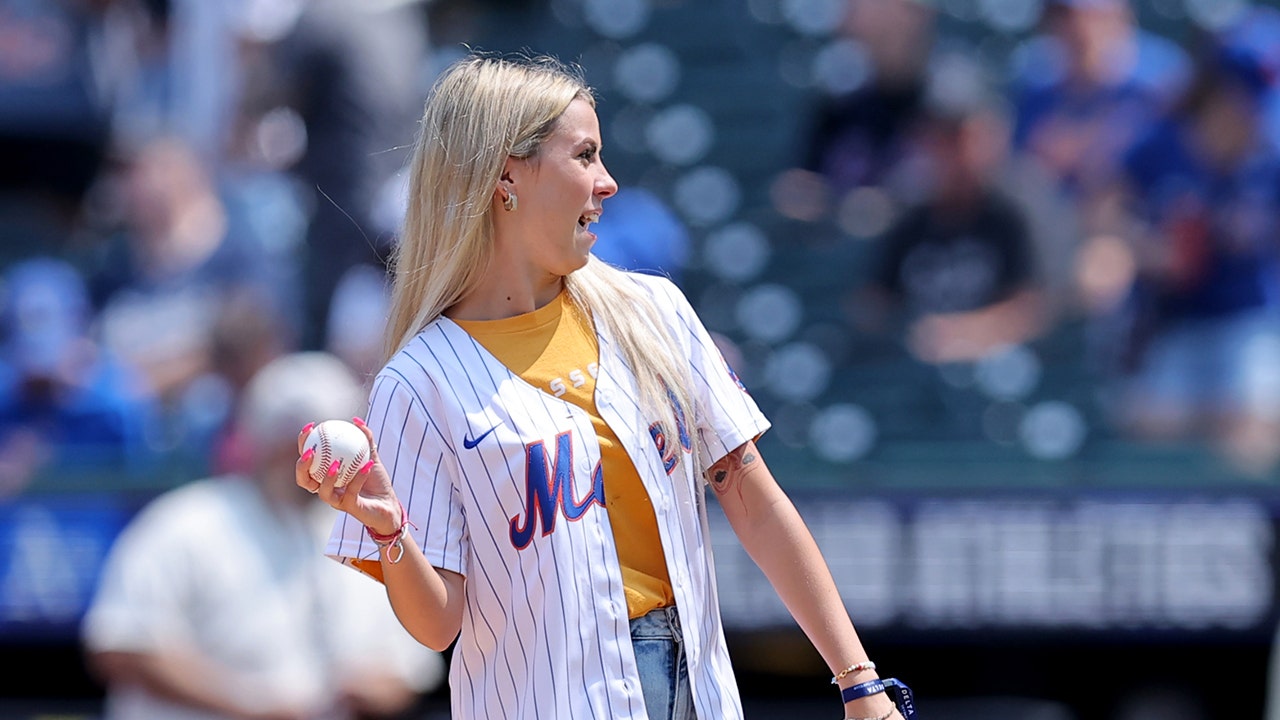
337	440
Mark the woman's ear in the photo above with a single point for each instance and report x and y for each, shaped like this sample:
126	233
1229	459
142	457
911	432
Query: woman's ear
507	180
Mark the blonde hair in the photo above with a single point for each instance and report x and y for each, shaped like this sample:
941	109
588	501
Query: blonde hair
482	110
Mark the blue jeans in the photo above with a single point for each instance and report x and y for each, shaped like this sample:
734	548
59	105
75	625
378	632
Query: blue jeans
664	675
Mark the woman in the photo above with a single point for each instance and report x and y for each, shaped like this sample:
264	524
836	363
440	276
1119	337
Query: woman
541	415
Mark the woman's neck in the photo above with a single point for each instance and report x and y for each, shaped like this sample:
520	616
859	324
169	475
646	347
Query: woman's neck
498	298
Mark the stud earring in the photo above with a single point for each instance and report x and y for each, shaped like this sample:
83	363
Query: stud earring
510	202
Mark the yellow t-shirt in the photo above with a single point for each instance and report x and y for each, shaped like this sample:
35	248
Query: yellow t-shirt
555	349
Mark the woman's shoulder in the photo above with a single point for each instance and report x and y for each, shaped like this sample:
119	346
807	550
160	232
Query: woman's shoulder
193	508
439	355
659	287
430	342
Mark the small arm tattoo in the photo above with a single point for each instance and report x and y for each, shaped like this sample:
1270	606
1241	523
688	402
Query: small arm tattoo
726	473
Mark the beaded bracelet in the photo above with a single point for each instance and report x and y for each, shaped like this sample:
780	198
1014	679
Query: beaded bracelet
392	540
854	668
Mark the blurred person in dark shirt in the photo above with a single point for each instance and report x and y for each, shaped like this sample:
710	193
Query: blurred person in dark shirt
66	404
1203	357
960	269
355	73
54	112
860	138
57	83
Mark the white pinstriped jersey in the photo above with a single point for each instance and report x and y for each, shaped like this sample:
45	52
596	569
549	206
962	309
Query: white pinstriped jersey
503	482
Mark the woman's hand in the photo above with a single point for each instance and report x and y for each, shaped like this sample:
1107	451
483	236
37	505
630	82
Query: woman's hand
368	497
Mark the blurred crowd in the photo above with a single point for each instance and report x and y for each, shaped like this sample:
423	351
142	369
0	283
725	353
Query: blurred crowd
191	189
1107	176
195	194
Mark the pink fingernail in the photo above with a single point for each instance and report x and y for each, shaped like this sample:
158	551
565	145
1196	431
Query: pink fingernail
310	453
367	467
357	421
307	428
333	468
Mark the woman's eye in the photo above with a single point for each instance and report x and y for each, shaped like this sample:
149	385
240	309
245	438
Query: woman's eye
588	154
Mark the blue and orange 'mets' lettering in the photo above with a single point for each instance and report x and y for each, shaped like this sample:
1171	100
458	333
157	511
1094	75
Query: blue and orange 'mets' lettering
659	435
668	455
547	483
736	380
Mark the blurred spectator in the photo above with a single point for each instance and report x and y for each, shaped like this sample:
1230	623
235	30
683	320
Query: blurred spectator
1272	690
1085	91
66	405
1204	346
638	231
860	138
960	268
56	102
161	281
1257	31
357	316
217	601
355	73
247	335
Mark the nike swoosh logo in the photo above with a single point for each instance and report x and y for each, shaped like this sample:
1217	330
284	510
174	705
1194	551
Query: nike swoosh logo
468	443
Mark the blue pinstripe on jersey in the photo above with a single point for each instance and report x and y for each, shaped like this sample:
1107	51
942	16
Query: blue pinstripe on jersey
503	648
478	359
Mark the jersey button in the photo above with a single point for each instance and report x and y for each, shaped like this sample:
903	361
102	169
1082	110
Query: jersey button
604	397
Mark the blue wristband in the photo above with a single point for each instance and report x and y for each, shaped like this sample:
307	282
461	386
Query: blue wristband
861	690
899	693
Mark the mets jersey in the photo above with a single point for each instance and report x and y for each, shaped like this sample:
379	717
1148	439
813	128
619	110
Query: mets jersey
555	348
503	484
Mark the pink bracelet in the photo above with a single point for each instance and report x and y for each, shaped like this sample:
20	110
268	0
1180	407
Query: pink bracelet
391	540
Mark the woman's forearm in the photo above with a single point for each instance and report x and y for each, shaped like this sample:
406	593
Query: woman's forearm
428	601
777	539
780	544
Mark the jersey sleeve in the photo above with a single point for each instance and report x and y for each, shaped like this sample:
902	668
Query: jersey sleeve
423	470
726	416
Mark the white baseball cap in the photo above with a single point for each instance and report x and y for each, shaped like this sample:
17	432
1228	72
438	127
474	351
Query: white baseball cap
296	389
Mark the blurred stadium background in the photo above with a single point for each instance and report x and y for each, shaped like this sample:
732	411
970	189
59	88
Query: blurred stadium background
1009	539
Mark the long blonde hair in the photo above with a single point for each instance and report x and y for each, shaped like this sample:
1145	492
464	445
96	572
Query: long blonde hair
482	110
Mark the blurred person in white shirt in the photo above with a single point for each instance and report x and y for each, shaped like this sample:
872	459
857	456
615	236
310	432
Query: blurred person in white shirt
217	601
